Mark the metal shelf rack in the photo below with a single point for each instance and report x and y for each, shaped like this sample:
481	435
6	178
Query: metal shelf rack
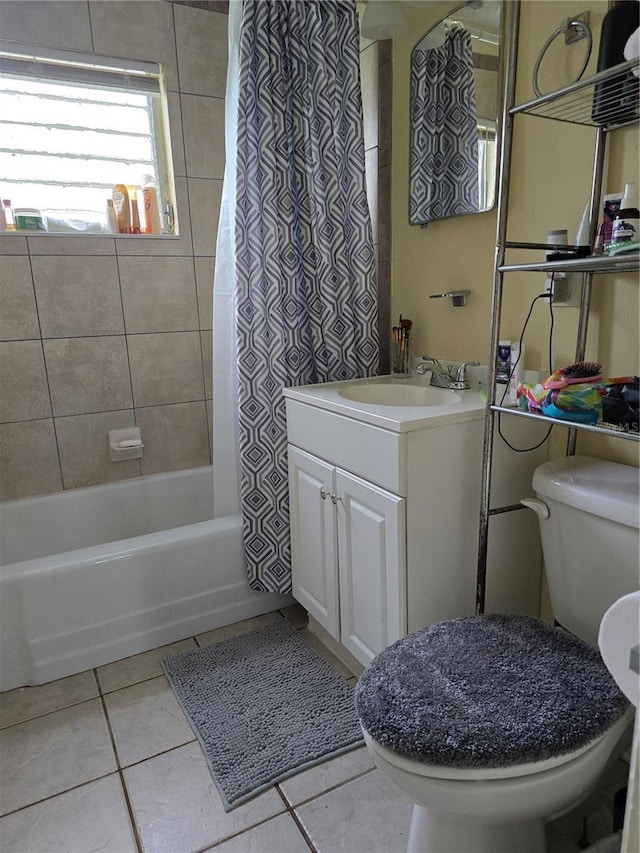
572	104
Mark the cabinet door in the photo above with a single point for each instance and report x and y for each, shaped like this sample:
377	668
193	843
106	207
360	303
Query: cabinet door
313	538
372	561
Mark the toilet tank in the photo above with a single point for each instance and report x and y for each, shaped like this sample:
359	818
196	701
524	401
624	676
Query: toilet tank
590	540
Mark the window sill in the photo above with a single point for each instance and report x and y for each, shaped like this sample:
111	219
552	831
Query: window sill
53	234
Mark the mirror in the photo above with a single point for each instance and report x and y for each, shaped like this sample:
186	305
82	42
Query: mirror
453	114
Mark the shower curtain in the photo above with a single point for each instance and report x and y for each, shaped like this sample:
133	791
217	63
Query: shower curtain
443	138
304	299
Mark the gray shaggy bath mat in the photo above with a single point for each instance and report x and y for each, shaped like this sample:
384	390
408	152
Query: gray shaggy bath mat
264	706
487	691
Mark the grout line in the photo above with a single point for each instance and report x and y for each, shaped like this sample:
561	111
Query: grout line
295	818
126	345
132	818
47	713
123	785
59	794
45	367
335	787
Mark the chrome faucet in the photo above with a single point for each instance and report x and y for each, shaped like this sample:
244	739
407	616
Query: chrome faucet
461	382
441	377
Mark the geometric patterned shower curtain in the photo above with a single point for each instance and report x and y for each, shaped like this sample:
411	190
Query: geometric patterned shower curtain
443	138
306	308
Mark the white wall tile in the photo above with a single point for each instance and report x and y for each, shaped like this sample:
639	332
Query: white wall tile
23	383
158	294
205	196
205	270
28	460
83	445
203	121
166	368
65	244
12	244
175	437
77	296
88	375
201	39
64	23
18	314
142	30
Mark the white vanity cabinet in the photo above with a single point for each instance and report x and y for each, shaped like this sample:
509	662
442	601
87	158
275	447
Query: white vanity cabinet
348	554
383	513
384	506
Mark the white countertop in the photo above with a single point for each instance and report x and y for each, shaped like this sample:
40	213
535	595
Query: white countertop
466	405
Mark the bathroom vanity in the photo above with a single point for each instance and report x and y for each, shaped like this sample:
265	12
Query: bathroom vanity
384	486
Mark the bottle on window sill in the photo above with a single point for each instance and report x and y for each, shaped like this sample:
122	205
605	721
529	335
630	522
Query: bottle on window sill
120	196
152	224
134	227
112	224
9	218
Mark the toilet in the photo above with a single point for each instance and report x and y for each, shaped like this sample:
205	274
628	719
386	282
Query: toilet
495	724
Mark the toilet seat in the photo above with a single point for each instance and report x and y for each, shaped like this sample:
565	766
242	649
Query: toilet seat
480	695
488	774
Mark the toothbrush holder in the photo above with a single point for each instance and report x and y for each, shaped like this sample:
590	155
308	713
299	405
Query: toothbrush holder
401	356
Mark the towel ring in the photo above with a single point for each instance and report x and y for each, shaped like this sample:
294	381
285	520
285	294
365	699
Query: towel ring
567	25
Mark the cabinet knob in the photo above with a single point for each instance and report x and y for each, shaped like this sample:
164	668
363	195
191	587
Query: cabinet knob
323	494
335	499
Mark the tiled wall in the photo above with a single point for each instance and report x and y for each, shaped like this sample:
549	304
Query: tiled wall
98	333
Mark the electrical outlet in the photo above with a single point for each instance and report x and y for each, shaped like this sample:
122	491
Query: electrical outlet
548	289
564	289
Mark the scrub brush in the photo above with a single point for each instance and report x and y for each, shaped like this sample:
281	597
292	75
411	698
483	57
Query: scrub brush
574	374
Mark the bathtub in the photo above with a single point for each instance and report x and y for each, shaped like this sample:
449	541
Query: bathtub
93	575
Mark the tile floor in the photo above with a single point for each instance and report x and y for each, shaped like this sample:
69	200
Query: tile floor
105	761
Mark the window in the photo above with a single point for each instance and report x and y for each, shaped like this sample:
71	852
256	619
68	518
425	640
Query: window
72	126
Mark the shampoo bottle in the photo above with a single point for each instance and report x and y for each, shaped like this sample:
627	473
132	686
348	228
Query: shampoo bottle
120	196
134	227
152	224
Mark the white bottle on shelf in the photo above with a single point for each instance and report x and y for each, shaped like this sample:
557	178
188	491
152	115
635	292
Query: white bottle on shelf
110	215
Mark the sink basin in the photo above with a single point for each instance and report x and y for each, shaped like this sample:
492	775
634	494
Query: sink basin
398	394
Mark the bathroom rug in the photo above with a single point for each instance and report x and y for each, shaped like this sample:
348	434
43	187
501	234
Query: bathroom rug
263	705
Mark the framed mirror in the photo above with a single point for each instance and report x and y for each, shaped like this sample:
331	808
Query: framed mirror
453	114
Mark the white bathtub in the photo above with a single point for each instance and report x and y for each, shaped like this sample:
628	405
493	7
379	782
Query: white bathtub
89	576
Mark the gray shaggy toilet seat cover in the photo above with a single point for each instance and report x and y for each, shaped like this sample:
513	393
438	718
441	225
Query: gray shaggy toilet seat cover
487	691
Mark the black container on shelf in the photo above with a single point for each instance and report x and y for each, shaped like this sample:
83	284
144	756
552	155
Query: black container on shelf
616	100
